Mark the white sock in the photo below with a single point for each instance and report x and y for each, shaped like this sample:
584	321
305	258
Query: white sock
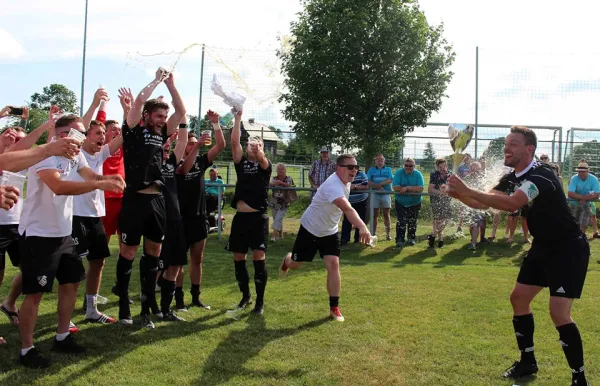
25	350
61	337
91	304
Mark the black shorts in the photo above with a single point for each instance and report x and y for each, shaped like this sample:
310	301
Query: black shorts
307	245
89	237
248	231
9	242
195	229
173	250
46	258
142	215
560	267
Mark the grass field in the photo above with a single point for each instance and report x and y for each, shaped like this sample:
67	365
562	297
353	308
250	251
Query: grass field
413	317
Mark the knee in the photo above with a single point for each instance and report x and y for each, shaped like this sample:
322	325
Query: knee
517	300
333	265
127	252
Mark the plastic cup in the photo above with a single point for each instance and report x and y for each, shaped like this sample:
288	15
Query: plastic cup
77	135
373	241
208	142
13	179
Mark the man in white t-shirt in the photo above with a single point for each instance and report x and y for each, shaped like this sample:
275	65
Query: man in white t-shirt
47	249
319	229
88	209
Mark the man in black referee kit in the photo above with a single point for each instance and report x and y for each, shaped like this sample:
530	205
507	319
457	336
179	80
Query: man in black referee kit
559	255
143	212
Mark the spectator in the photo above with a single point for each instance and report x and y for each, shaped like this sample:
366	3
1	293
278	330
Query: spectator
358	200
440	201
320	170
280	200
212	192
544	158
380	178
476	218
463	171
556	168
407	180
583	190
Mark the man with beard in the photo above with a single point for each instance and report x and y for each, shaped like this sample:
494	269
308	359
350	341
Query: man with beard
192	199
143	212
559	255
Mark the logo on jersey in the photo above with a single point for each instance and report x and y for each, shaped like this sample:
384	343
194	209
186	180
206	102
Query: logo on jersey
42	280
530	190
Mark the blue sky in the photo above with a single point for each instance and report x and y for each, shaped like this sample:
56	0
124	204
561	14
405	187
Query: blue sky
538	59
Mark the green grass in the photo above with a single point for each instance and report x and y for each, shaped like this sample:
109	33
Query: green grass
413	317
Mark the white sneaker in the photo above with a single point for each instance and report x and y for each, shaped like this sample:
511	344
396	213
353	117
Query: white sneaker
336	315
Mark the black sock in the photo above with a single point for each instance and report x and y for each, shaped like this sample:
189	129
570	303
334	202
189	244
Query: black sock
148	269
179	303
524	327
260	280
570	340
242	277
334	301
123	276
167	290
195	291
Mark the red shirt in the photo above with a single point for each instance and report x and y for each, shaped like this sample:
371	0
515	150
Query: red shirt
113	164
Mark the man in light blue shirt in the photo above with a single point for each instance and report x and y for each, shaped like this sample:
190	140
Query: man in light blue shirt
212	192
380	179
407	180
583	190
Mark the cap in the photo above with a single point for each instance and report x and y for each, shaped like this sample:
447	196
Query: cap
324	149
582	167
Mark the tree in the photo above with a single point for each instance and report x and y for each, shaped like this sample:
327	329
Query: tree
428	157
361	76
58	95
39	106
495	150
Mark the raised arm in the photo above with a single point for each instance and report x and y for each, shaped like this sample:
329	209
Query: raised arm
236	146
15	161
99	96
115	144
135	114
179	113
181	139
219	137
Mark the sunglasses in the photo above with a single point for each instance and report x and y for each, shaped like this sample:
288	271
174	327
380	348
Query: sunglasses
350	167
409	166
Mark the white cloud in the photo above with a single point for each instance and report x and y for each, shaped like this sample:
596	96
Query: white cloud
9	47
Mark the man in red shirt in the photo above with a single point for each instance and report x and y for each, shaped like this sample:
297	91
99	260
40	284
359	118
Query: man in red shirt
113	165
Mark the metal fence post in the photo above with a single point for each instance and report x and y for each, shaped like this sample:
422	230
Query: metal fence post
219	204
302	176
560	139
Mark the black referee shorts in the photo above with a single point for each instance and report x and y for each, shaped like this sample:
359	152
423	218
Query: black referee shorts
560	267
248	231
142	215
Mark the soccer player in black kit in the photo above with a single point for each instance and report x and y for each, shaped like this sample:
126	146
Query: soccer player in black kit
143	212
559	255
250	225
192	201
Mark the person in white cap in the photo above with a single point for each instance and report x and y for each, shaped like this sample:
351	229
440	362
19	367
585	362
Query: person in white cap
320	170
583	190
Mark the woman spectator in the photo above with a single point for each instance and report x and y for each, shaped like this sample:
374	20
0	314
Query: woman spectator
440	202
280	200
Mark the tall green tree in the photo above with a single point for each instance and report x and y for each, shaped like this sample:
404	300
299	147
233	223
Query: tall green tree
361	74
428	157
590	151
39	106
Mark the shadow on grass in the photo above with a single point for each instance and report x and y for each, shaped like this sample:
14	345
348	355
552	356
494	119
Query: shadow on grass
228	359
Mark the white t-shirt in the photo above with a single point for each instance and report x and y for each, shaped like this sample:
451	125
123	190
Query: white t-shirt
13	215
44	213
91	204
322	217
